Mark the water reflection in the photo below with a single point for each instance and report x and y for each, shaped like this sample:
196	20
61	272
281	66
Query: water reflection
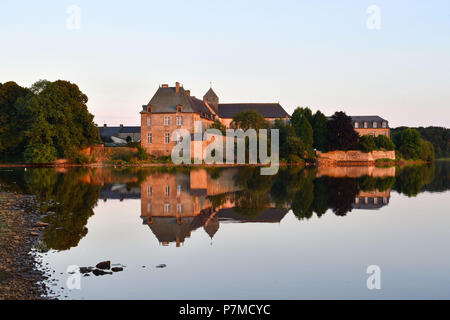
177	201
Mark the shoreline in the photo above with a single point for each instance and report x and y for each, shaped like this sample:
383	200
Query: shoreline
21	275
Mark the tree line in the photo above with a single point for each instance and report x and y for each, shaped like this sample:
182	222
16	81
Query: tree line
43	123
307	132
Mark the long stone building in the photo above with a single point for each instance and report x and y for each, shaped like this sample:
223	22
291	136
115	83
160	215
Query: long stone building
173	108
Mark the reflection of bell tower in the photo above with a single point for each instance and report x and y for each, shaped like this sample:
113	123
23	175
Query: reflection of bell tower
212	99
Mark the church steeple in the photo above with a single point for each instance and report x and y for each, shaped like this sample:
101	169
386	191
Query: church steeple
212	99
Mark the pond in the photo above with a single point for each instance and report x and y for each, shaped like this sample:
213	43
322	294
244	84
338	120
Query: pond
230	233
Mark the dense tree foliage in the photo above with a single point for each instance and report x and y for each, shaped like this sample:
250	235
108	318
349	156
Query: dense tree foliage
384	142
341	134
48	121
13	121
438	136
410	145
249	120
367	143
320	129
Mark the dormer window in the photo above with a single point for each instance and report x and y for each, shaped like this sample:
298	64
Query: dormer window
366	125
179	108
384	124
356	125
149	108
375	124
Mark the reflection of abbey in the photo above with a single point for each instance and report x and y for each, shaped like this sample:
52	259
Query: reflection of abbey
174	205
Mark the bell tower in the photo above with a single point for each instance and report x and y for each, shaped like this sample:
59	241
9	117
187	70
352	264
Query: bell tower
212	99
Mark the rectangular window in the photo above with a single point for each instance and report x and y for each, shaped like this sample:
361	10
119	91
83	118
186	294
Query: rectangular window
167	138
179	208
149	138
375	124
149	121
356	125
167	190
167	121
365	125
384	124
179	189
167	207
149	208
179	121
149	190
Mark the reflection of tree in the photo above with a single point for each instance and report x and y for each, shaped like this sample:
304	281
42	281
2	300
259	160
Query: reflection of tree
369	183
62	193
411	179
320	204
341	194
75	202
441	181
254	195
302	203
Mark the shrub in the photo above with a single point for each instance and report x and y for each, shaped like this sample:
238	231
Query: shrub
367	143
40	153
142	154
80	158
123	155
384	142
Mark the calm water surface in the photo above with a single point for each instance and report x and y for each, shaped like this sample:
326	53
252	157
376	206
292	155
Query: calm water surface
233	234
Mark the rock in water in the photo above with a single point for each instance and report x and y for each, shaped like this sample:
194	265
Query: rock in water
98	272
105	265
117	269
161	266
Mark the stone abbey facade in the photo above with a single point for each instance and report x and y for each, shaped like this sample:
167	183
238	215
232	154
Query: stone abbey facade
173	108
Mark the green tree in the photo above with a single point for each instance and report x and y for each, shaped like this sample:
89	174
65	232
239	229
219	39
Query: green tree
13	120
249	119
320	129
341	135
384	142
409	143
367	143
301	122
219	126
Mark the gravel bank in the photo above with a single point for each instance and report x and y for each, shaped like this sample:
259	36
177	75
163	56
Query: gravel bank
20	232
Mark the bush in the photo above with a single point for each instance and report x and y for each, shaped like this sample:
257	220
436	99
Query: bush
384	142
367	144
80	158
123	155
142	154
40	153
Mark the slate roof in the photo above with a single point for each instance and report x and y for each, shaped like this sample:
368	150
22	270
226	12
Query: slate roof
369	119
267	110
111	131
166	100
210	94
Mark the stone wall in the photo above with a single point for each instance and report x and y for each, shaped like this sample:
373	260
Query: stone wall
352	157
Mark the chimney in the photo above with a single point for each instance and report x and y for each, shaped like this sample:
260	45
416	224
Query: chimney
165	85
188	92
121	126
177	86
105	125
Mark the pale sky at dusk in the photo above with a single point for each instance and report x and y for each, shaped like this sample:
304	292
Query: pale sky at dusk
319	54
